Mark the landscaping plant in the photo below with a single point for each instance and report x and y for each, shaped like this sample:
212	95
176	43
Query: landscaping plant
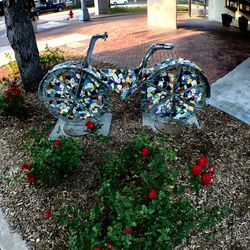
143	202
51	161
51	57
11	97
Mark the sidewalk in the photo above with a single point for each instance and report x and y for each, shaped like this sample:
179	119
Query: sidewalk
45	23
9	240
231	93
217	50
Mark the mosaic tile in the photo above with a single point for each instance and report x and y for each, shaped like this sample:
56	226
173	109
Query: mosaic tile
173	88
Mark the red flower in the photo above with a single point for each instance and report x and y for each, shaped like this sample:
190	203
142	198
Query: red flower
145	151
152	194
206	179
25	166
9	99
212	168
203	161
90	125
128	230
8	91
47	213
197	170
109	246
58	143
97	248
30	179
17	91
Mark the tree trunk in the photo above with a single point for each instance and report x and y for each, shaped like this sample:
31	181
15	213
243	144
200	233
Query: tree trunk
22	39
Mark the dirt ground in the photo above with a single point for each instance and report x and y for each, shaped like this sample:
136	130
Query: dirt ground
225	139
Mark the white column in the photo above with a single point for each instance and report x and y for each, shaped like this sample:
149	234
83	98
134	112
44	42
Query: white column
162	13
101	6
97	8
84	13
215	9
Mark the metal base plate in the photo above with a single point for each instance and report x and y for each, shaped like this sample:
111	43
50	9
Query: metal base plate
63	129
164	126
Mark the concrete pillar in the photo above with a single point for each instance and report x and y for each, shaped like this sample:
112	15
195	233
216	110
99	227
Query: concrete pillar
101	6
216	8
84	13
162	13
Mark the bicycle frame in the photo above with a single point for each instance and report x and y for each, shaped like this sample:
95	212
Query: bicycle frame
75	91
124	83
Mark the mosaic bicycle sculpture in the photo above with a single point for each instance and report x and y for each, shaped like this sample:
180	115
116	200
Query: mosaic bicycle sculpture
76	92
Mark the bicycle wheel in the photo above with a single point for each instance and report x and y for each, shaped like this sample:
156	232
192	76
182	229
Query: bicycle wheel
70	100
175	90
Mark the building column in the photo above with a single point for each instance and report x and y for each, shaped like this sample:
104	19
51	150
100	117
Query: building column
162	13
84	13
216	8
101	6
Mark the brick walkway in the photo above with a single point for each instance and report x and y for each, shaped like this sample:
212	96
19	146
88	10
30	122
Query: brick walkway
216	49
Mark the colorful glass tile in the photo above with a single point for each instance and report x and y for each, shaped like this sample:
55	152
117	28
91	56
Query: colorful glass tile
173	88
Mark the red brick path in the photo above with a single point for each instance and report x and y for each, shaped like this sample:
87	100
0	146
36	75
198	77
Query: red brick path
216	49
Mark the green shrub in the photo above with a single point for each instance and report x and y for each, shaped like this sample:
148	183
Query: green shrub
182	8
142	204
127	9
12	65
51	57
48	58
11	97
51	160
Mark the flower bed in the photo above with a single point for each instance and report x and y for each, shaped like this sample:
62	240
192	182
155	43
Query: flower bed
30	210
142	202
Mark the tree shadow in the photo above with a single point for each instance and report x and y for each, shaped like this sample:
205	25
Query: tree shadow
214	48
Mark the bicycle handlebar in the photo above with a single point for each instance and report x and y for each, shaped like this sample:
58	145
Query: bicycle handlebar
167	46
104	36
152	49
91	47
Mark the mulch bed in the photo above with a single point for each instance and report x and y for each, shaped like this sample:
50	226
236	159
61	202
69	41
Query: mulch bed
225	139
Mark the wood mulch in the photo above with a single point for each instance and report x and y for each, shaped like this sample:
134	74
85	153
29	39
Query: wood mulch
225	139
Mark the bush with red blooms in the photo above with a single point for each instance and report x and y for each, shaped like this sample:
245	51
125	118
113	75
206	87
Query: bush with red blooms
145	151
143	203
11	98
58	143
51	160
93	128
30	179
202	173
47	213
90	125
152	194
27	177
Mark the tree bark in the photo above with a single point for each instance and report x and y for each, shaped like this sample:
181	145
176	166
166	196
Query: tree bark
22	39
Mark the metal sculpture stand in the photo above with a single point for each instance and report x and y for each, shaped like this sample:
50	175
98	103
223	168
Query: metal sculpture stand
150	120
171	91
63	129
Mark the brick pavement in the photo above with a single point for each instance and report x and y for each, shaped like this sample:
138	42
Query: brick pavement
216	49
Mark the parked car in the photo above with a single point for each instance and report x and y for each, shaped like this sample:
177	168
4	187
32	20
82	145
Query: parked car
116	2
68	2
49	6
